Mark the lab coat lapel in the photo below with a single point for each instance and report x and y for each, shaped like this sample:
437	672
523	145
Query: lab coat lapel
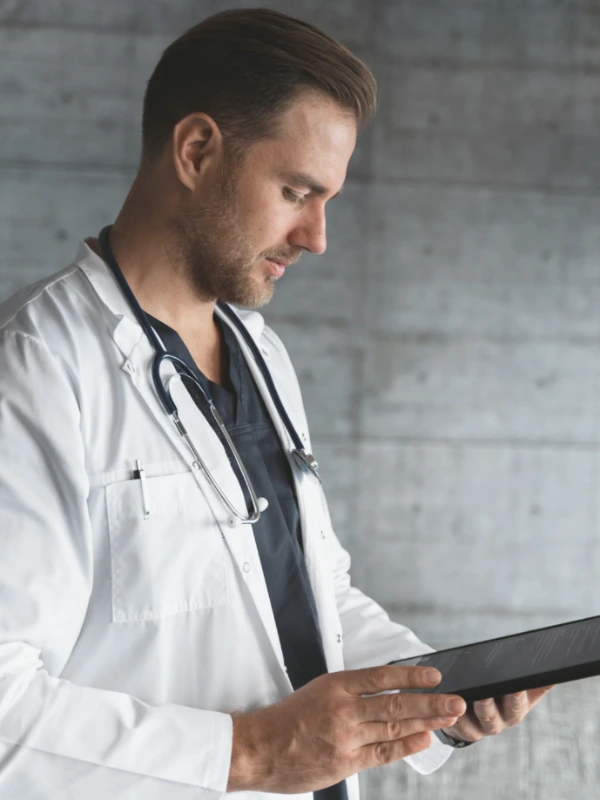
318	530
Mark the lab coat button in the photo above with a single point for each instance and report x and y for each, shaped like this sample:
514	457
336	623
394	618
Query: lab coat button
338	638
265	352
129	366
196	464
246	566
322	534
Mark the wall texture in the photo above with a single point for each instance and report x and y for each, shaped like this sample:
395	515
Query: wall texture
447	342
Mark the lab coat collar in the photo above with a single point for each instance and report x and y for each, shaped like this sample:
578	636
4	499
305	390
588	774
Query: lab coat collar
128	332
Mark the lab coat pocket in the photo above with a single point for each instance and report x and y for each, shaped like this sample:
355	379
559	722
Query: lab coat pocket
171	562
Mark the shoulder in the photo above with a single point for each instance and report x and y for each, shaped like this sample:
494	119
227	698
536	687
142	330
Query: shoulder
39	309
47	326
63	310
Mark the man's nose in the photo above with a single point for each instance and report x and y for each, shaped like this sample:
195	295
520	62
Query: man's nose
311	234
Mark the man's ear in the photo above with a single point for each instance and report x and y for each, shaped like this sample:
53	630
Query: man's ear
196	141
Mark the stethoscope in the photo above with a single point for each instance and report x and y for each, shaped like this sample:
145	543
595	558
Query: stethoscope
304	459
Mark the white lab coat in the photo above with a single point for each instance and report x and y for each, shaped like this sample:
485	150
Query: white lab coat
125	642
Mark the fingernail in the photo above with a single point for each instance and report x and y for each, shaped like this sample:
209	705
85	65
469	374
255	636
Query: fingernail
456	706
432	677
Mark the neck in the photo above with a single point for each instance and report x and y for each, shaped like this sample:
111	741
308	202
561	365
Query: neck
153	269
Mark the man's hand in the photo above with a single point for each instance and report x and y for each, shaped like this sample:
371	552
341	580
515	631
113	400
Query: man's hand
328	730
490	717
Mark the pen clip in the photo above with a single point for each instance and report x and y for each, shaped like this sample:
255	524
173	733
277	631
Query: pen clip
141	475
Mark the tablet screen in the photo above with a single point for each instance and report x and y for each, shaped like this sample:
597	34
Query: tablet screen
518	662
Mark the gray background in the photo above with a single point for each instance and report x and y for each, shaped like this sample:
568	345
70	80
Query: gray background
447	342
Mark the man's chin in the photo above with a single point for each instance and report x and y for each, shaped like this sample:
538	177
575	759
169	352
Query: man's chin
255	297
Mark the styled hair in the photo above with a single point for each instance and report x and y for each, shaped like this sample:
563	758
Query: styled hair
244	68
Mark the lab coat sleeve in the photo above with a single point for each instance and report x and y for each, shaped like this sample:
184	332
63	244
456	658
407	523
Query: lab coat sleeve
372	639
95	743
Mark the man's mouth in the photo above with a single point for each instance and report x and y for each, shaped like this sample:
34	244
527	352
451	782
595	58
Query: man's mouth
277	267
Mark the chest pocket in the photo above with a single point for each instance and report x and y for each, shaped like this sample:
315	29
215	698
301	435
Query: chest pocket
173	561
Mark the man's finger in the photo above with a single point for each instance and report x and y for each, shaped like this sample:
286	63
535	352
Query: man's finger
514	707
489	716
374	755
384	679
405	705
371	732
466	728
535	695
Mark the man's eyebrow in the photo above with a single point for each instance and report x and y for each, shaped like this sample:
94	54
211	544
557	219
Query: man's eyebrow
303	179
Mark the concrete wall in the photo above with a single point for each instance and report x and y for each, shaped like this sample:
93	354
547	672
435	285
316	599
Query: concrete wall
447	342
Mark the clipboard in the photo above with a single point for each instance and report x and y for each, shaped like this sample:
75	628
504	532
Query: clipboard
509	664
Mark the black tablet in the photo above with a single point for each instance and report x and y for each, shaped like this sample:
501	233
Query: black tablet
515	663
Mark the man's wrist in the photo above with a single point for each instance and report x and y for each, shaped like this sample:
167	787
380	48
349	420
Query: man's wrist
249	761
240	771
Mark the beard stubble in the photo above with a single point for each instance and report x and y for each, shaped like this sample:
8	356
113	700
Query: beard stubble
216	256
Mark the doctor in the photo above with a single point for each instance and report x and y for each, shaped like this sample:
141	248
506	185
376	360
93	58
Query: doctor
172	596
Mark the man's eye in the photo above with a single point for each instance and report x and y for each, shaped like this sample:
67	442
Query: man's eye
292	196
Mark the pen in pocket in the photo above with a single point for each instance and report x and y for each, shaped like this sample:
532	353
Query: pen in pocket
141	475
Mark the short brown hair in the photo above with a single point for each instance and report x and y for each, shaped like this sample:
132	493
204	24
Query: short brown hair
245	67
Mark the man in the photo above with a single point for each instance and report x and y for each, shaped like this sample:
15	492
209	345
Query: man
151	646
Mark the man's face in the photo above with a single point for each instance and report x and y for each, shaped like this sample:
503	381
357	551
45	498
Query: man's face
256	218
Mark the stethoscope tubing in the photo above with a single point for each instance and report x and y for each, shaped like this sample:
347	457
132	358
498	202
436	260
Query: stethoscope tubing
184	371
